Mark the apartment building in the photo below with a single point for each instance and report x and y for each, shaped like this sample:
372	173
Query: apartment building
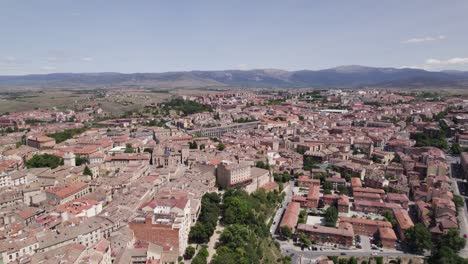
231	175
63	195
343	235
365	227
164	221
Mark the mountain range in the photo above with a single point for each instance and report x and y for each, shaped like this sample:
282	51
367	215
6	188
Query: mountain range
339	77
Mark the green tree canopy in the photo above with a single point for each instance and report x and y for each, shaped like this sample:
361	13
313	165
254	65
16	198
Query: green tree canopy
44	160
331	216
453	240
201	257
66	134
418	238
193	145
87	171
189	252
221	147
286	231
129	148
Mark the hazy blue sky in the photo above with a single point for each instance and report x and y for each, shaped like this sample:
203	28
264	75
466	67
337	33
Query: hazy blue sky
40	36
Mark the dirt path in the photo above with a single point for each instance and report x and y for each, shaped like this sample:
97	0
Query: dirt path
213	239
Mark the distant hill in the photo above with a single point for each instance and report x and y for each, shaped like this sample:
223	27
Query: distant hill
339	77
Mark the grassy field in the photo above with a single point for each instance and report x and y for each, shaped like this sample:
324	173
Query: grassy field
14	102
116	101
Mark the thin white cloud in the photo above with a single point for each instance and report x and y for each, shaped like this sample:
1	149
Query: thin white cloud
452	61
438	64
424	39
418	67
87	59
242	67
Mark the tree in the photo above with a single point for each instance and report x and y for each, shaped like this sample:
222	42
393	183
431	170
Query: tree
207	221
327	185
379	260
202	146
148	150
246	238
331	216
198	233
425	140
352	260
301	150
281	177
342	261
389	217
80	161
453	240
189	252
305	241
308	163
193	145
44	160
418	238
455	148
87	171
201	257
343	189
128	148
302	217
458	200
221	147
286	232
262	165
66	134
187	107
445	254
235	236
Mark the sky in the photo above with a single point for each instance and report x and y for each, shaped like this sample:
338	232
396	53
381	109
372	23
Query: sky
45	36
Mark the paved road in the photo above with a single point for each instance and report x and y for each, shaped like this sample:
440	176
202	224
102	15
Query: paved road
365	243
296	253
213	240
277	218
462	214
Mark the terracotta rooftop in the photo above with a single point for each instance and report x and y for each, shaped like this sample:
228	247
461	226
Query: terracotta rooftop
314	192
403	218
291	215
387	233
365	221
326	230
69	190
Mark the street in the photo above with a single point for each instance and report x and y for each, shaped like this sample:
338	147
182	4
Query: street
295	252
456	177
277	218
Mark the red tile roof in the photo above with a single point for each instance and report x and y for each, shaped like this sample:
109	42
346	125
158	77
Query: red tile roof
69	190
291	215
